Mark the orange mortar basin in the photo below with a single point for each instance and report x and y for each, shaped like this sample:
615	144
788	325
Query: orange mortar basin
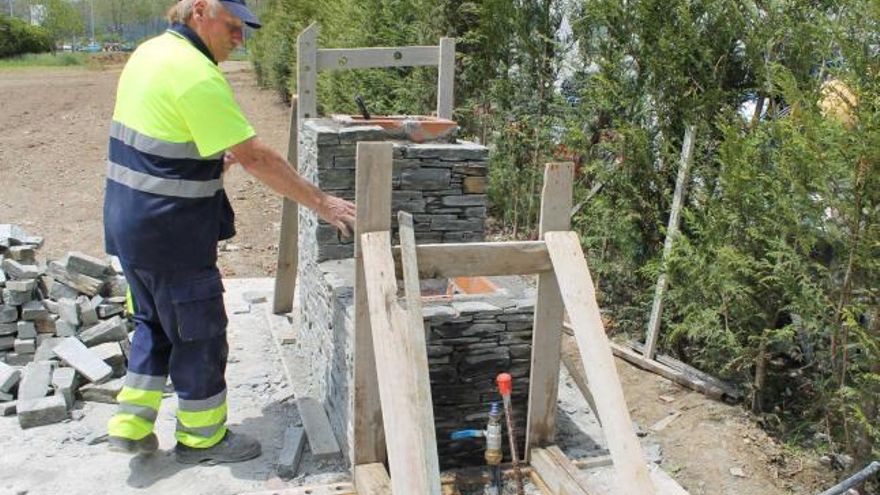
417	128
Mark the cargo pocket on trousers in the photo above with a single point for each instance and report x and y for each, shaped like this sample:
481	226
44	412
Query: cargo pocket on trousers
199	307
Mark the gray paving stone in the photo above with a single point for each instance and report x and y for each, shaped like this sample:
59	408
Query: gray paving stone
112	330
35	379
87	265
8	314
7	342
87	313
84	360
111	353
64	329
22	285
9	377
7	329
46	325
8	408
68	311
16	359
17	271
101	392
41	412
58	291
26	330
107	310
25	346
291	452
82	283
23	254
14	297
44	350
33	310
64	382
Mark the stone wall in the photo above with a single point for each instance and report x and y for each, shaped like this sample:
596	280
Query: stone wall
470	338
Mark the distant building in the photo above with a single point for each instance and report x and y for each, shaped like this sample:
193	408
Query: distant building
38	14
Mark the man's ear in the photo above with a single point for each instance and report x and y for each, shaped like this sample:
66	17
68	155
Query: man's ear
199	7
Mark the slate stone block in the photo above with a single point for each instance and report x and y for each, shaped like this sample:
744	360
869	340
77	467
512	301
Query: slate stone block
64	383
87	265
33	310
8	314
42	411
9	377
87	313
111	353
12	297
17	271
84	360
35	379
112	330
59	291
26	330
22	285
68	311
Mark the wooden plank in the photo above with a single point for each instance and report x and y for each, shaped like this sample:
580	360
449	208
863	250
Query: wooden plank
372	479
288	239
373	200
446	79
322	441
687	155
306	73
549	311
417	336
367	58
579	295
397	366
557	478
291	452
676	376
730	392
471	259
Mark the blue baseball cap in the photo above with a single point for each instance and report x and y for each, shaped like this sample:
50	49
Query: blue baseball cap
240	9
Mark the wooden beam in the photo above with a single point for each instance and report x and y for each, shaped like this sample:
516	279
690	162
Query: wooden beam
332	489
288	240
307	73
556	474
367	58
661	369
549	311
373	199
486	259
416	338
579	295
446	79
687	156
730	393
397	366
372	479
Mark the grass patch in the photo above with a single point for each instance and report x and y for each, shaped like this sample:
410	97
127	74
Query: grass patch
60	59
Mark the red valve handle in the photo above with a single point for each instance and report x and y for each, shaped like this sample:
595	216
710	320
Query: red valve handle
505	383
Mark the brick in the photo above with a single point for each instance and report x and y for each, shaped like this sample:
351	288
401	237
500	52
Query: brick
44	350
33	310
111	353
25	346
84	360
101	392
12	297
58	291
26	330
46	325
23	254
291	452
9	377
87	265
41	412
112	330
8	314
64	382
17	271
22	285
35	379
88	315
64	329
68	310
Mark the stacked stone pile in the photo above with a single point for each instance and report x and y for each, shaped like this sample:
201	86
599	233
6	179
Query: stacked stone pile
63	331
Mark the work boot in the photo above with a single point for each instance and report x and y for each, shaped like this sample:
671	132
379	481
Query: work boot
146	445
235	447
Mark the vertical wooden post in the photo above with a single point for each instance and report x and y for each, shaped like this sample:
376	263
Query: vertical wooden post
446	79
373	198
307	72
687	155
288	240
547	329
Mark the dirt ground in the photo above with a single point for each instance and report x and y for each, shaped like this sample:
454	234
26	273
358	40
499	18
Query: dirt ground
53	138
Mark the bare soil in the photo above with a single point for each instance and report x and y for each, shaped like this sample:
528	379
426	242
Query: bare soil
53	140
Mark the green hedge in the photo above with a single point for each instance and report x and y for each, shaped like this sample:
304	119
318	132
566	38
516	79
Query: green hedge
17	38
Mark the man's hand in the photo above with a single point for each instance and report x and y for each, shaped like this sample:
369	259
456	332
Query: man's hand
229	160
337	212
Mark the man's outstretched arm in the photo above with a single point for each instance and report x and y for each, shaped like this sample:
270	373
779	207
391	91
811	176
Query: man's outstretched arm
272	169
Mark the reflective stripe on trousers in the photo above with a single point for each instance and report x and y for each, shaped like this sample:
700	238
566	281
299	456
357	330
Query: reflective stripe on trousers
139	402
201	423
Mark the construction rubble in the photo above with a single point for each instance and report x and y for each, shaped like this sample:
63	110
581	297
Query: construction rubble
64	335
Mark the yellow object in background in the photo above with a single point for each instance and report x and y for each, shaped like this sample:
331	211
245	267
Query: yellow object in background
839	102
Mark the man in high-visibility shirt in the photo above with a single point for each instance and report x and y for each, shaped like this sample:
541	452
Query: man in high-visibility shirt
165	211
